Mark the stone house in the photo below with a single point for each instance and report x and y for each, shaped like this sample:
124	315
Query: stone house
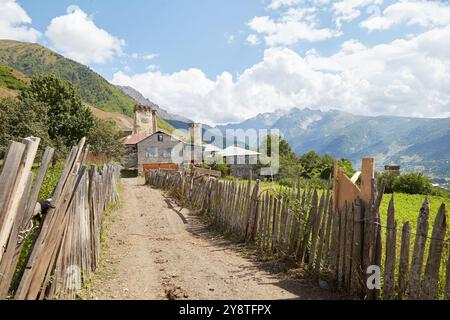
163	150
130	143
150	148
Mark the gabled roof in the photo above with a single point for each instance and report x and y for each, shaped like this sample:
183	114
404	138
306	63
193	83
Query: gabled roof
134	139
163	132
237	151
212	148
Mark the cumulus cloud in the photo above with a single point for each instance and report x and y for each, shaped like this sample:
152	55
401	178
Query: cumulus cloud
276	4
422	13
76	36
145	56
406	77
253	39
349	10
294	25
14	23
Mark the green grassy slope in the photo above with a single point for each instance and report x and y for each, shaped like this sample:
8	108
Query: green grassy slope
34	59
9	80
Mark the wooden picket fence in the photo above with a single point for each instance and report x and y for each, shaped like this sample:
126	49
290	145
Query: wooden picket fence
339	245
66	249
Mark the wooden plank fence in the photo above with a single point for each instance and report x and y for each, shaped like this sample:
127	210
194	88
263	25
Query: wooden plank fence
338	244
67	247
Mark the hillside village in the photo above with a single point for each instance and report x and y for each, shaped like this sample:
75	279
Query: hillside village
151	148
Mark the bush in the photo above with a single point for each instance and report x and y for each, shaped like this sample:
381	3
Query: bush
104	139
222	167
413	183
389	179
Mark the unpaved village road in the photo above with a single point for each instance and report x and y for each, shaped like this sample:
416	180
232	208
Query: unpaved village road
155	251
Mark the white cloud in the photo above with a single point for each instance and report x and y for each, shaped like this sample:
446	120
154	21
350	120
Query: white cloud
294	25
146	56
14	23
276	4
253	39
76	36
422	13
349	10
150	56
152	67
406	77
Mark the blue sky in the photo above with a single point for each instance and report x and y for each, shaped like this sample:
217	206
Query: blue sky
183	33
224	61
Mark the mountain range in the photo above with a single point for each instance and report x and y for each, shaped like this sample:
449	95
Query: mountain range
417	144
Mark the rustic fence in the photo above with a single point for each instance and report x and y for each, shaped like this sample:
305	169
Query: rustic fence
340	245
66	249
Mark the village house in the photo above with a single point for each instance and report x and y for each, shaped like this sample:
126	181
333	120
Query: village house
392	168
240	161
150	148
162	150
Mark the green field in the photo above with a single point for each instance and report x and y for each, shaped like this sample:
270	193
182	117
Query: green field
407	207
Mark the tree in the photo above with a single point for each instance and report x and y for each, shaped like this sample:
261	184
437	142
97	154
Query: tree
66	118
289	165
327	167
104	140
311	163
413	183
20	120
347	166
389	179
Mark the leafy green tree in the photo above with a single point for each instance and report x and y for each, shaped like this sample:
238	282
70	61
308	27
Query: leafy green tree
312	164
20	120
67	119
347	166
289	164
389	179
327	167
104	140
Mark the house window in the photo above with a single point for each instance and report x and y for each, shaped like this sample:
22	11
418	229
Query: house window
167	153
160	138
151	153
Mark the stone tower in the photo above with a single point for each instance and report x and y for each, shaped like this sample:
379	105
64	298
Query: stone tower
145	121
195	133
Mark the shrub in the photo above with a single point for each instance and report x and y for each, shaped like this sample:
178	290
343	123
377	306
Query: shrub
222	167
413	183
389	179
104	139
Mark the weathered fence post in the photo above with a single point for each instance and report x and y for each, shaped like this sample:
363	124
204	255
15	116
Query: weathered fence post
391	246
419	251
430	281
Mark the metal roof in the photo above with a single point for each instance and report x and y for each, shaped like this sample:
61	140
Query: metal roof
134	139
237	151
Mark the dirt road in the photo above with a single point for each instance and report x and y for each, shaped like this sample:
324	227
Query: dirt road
157	251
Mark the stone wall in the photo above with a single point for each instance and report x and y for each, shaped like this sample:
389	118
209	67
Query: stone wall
130	158
145	121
